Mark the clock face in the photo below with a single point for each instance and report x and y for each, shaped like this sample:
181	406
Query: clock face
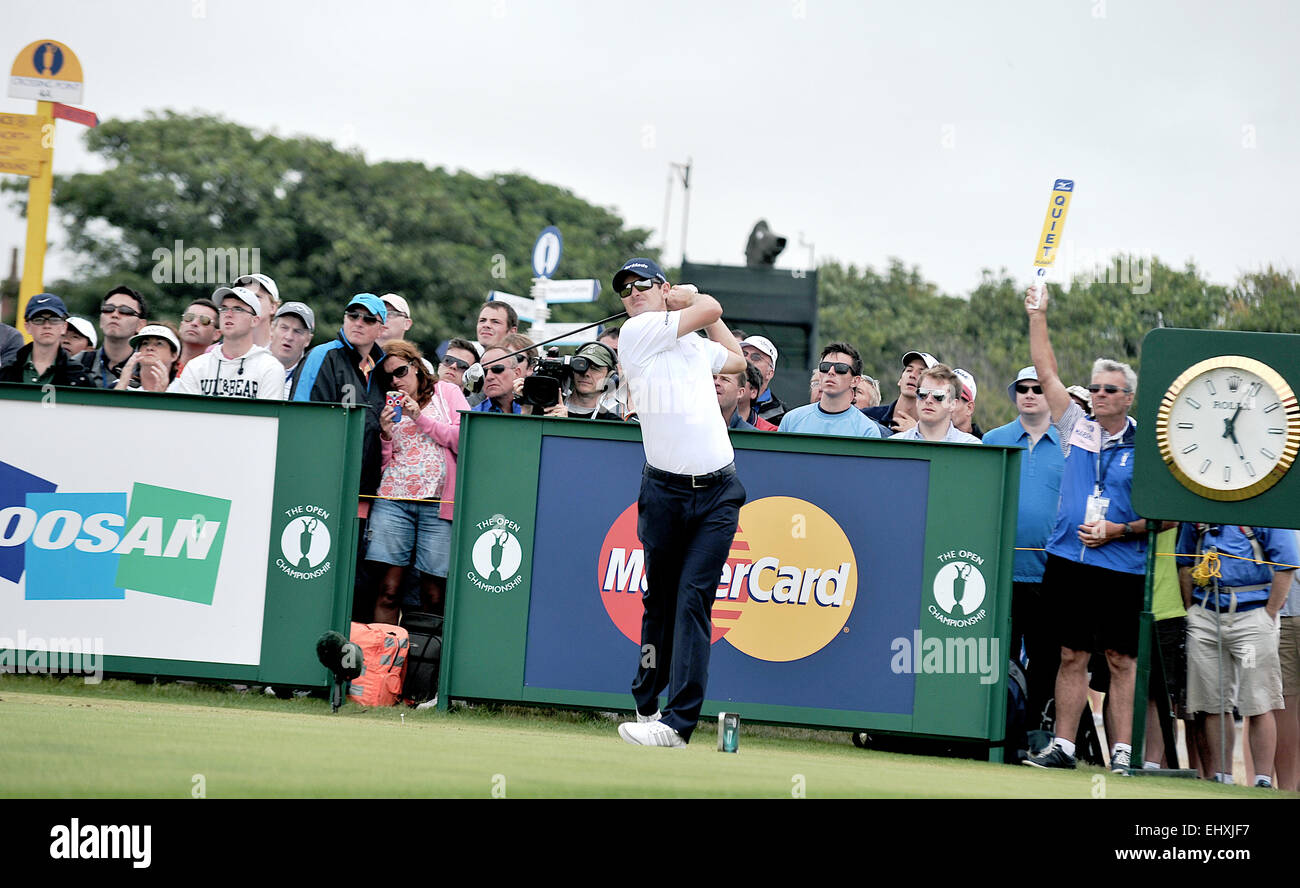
1229	428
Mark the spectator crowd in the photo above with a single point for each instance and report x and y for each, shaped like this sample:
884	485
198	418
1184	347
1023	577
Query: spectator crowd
1228	646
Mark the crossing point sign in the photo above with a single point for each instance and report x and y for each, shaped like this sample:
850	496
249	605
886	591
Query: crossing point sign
47	71
547	251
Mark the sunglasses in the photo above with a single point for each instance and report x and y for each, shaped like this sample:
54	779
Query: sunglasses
839	366
400	372
370	319
496	368
1023	389
237	309
449	361
191	316
938	396
1108	389
641	285
124	310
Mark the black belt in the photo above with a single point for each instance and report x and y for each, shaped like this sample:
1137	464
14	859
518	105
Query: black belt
694	482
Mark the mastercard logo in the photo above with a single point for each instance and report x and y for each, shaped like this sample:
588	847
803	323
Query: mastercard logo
786	591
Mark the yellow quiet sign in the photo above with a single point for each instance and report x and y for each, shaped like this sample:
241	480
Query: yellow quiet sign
47	71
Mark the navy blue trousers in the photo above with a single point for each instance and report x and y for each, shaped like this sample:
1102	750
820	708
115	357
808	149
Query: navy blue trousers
686	535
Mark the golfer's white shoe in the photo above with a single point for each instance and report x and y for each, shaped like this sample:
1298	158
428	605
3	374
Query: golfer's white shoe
653	733
646	719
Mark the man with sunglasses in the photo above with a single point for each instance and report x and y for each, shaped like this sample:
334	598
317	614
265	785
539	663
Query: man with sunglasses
351	370
457	357
499	375
121	315
43	360
200	329
834	413
238	367
1041	465
690	498
1096	553
901	414
937	390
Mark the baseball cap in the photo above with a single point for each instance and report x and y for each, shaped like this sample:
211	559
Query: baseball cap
596	353
159	331
86	329
639	268
243	294
267	284
763	344
930	360
968	387
1080	392
1029	372
371	303
392	300
299	310
45	302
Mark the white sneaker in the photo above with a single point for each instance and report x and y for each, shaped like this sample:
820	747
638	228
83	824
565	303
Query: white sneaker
646	719
652	733
428	704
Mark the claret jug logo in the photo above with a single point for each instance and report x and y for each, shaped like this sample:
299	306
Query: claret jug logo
496	555
305	543
959	589
786	591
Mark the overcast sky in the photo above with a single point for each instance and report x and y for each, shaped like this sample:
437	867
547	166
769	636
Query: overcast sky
927	131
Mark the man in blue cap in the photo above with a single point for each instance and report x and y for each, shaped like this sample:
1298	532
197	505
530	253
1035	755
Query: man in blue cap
349	370
690	496
43	360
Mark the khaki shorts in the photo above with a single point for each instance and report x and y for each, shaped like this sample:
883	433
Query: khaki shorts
1288	653
1252	675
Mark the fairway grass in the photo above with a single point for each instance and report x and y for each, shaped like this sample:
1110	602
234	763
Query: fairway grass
65	739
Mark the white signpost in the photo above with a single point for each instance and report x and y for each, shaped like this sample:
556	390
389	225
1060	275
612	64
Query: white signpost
535	310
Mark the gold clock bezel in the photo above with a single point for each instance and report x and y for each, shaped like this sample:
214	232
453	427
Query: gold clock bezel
1285	395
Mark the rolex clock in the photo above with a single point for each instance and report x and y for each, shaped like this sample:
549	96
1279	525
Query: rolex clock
1228	427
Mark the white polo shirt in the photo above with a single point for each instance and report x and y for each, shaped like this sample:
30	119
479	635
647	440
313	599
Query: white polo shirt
670	384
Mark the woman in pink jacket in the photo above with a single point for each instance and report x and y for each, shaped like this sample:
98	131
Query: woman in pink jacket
418	482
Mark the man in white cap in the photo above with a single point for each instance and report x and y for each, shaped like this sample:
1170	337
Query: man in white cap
238	367
268	294
937	390
399	318
79	336
900	414
291	332
963	412
1041	465
760	352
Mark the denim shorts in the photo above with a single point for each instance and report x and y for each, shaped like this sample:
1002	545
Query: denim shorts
395	528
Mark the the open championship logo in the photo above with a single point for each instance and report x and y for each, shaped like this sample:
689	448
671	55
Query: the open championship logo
496	555
959	589
305	543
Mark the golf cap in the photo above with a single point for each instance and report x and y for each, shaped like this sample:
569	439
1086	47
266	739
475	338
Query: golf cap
243	294
299	310
86	329
267	284
763	344
371	303
47	302
392	300
1081	393
597	353
968	387
157	331
1026	373
930	360
647	269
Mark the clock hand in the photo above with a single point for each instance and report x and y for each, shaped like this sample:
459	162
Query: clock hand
1229	424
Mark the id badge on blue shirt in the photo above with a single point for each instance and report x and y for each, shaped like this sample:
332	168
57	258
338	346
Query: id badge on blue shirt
1096	508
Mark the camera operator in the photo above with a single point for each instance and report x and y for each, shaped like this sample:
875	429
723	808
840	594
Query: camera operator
593	383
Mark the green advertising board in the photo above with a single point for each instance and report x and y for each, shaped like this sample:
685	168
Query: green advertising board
868	587
175	535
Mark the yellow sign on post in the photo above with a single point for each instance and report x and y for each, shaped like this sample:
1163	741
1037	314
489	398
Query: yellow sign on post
25	143
47	71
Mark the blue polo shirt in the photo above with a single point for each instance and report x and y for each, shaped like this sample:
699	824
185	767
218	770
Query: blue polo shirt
811	419
1279	546
487	405
1040	490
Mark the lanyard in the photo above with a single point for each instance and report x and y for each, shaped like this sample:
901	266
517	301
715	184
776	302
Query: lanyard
1099	484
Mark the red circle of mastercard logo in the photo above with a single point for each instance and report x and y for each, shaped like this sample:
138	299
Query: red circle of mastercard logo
786	591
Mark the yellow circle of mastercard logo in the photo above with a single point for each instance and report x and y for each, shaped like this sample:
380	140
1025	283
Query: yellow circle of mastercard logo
786	591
